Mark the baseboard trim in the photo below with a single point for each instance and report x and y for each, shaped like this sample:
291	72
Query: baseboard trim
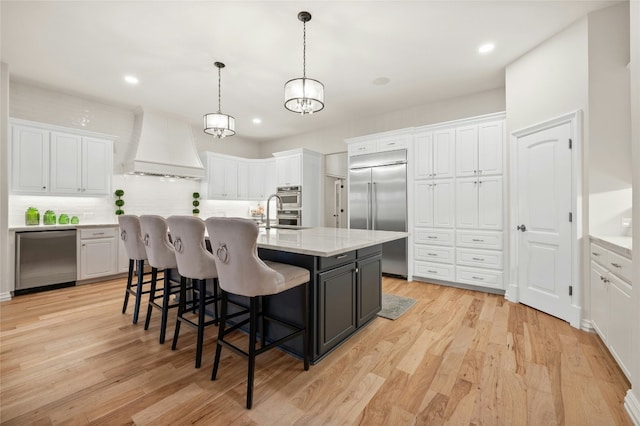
5	296
587	326
632	405
512	293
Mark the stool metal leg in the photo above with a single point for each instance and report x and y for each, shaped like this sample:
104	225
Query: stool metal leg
136	309
221	326
253	324
129	280
152	295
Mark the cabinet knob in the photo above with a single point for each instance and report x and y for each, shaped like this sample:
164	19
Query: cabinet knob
44	187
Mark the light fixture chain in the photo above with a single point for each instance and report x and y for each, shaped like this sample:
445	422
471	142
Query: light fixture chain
304	50
219	91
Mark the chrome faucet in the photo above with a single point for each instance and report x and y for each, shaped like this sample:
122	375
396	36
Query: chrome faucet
278	205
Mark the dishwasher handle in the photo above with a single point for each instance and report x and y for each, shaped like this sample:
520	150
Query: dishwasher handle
42	235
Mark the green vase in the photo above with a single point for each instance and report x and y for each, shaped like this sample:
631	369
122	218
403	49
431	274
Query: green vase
32	216
63	219
49	218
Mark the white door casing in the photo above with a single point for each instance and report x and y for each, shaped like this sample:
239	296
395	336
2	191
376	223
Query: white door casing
544	177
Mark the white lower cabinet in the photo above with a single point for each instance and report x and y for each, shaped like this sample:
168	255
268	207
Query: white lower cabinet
611	306
98	252
434	270
479	277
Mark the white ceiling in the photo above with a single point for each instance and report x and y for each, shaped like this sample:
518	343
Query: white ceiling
427	49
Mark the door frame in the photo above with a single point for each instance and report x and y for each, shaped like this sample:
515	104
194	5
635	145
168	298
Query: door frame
579	203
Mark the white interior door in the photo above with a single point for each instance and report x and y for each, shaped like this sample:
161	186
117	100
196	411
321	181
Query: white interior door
544	170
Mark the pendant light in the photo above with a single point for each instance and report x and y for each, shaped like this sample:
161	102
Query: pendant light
304	95
218	124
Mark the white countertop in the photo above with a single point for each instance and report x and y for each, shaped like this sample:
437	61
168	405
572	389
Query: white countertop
24	228
324	242
622	245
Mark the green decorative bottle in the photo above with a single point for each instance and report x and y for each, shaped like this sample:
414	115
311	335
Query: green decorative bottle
49	218
32	216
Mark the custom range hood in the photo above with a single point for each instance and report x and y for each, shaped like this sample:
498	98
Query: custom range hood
164	146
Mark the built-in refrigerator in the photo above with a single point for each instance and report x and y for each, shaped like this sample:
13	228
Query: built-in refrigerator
378	201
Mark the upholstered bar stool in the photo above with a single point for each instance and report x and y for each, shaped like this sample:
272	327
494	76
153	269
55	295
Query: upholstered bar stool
242	272
131	235
195	263
155	236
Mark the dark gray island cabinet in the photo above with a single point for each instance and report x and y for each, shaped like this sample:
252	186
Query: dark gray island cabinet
346	282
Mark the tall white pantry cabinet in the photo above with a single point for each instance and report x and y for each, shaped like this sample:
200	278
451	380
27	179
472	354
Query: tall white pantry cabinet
459	202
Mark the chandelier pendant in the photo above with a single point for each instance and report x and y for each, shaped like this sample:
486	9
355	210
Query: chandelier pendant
218	124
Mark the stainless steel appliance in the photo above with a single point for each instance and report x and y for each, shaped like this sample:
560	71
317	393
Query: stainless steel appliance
378	201
45	258
289	218
291	196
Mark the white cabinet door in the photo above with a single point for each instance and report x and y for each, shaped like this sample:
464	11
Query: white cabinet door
424	203
490	141
467	151
269	178
467	203
97	166
599	300
243	180
66	163
443	203
257	180
98	258
443	153
423	151
222	175
620	318
289	170
490	202
30	160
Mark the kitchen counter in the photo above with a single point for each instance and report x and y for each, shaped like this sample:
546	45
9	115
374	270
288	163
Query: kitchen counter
25	228
620	245
323	242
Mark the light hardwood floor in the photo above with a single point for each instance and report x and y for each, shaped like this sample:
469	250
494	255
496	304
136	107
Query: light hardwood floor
457	357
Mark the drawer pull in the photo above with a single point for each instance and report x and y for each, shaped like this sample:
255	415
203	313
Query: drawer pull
595	254
616	265
342	256
432	272
431	237
431	254
478	259
98	233
477	278
477	240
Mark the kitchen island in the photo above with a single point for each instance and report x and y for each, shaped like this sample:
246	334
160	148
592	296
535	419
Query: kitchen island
345	292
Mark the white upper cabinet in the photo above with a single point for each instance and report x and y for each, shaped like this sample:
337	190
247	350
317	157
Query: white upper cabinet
243	180
222	177
479	148
52	161
30	160
289	170
479	202
434	203
236	178
434	153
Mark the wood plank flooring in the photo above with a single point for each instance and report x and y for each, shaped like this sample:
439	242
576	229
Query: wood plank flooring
456	357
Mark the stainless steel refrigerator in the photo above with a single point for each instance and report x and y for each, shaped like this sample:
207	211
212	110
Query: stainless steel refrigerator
378	201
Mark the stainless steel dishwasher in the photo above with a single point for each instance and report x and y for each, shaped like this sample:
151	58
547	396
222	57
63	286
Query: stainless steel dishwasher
45	258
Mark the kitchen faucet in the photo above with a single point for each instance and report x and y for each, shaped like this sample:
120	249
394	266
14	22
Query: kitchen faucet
278	205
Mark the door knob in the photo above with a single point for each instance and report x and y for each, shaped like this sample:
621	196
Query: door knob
522	228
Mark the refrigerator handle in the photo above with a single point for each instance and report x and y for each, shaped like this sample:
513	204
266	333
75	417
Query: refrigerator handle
368	203
374	208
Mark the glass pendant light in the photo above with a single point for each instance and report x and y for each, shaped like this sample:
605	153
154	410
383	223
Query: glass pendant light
218	124
304	95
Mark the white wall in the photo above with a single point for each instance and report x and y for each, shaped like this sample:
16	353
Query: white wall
609	124
331	140
632	400
5	283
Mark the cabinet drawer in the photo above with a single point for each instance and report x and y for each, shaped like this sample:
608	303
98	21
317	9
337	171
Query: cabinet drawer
481	277
479	239
598	254
362	148
479	258
433	253
87	233
441	237
333	261
391	144
619	265
434	270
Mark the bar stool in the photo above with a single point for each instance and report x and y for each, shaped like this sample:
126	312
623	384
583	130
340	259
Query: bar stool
196	263
155	236
243	273
131	234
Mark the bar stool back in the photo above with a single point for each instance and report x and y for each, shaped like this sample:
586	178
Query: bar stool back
196	263
131	235
155	236
242	272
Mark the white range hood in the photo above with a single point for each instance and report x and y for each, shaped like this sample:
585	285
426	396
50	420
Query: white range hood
164	146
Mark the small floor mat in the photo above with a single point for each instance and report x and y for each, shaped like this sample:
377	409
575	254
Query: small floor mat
394	306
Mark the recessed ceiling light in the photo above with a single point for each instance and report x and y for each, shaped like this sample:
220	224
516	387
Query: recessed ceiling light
486	48
131	79
257	120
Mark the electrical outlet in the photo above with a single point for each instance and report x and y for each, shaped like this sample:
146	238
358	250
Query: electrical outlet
626	222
